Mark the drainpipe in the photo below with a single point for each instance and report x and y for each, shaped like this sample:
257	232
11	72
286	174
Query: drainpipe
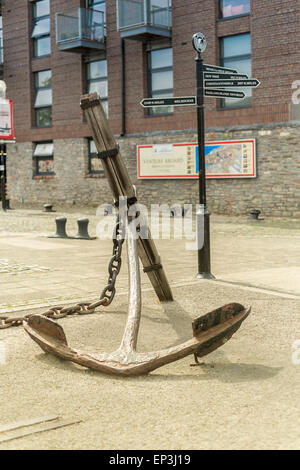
123	88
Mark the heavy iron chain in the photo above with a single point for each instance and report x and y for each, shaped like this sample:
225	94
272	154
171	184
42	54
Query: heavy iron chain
83	308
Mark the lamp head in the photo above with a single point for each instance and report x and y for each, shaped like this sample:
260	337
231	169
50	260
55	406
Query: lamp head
199	42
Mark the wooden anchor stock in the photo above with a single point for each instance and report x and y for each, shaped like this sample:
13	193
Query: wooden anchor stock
121	185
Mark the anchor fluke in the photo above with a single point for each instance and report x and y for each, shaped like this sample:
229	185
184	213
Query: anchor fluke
222	323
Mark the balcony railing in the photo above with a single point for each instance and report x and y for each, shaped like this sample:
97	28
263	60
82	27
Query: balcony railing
80	29
144	18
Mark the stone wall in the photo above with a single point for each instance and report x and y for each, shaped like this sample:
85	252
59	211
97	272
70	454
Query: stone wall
276	190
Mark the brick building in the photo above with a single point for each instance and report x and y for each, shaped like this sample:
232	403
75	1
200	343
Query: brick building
56	50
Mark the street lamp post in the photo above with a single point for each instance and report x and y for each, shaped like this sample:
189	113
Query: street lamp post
199	43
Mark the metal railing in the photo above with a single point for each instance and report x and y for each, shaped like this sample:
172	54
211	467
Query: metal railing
133	13
80	23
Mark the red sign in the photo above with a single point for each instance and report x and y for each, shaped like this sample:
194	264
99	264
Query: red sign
6	120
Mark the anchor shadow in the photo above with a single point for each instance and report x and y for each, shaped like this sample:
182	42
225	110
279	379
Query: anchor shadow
224	372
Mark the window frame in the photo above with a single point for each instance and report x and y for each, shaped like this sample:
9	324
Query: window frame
99	173
36	90
224	18
222	101
97	80
35	20
169	68
98	2
37	158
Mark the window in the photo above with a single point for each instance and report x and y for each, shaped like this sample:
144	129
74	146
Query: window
97	80
43	159
95	166
236	54
160	77
98	5
230	8
41	28
43	98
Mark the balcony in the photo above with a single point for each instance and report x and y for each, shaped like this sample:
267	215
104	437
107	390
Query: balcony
80	30
144	19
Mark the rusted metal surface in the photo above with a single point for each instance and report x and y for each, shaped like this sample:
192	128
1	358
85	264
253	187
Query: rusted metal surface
230	316
129	362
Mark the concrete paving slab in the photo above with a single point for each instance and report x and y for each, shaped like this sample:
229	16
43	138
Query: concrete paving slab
285	279
244	396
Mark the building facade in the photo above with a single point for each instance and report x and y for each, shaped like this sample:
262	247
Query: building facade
56	50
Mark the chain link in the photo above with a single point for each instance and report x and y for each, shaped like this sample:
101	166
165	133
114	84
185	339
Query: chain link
83	308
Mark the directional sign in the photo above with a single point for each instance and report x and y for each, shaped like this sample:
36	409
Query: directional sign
231	83
216	68
176	101
215	93
224	76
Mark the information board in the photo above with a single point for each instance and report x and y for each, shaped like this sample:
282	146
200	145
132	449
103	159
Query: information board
223	159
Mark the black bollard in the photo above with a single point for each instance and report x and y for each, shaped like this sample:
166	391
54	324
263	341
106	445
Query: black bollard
48	208
254	214
83	233
60	228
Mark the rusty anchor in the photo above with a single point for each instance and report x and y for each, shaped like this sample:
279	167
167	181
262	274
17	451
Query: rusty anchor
210	331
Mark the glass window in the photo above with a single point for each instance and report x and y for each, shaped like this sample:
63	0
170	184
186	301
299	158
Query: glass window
95	166
43	149
43	159
160	77
97	81
99	5
43	98
236	54
41	8
41	28
43	79
229	8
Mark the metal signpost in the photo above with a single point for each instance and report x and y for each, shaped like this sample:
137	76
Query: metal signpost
217	93
210	81
177	101
2	179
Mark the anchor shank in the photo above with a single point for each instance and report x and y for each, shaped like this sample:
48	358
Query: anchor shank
129	340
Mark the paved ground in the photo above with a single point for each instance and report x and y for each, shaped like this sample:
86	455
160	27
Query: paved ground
245	395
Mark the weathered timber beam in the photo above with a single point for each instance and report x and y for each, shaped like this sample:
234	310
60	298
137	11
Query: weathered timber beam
121	185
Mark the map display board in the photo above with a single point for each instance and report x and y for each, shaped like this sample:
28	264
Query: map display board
224	159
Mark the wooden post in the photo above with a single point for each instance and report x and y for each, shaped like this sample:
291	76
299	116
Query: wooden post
120	184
